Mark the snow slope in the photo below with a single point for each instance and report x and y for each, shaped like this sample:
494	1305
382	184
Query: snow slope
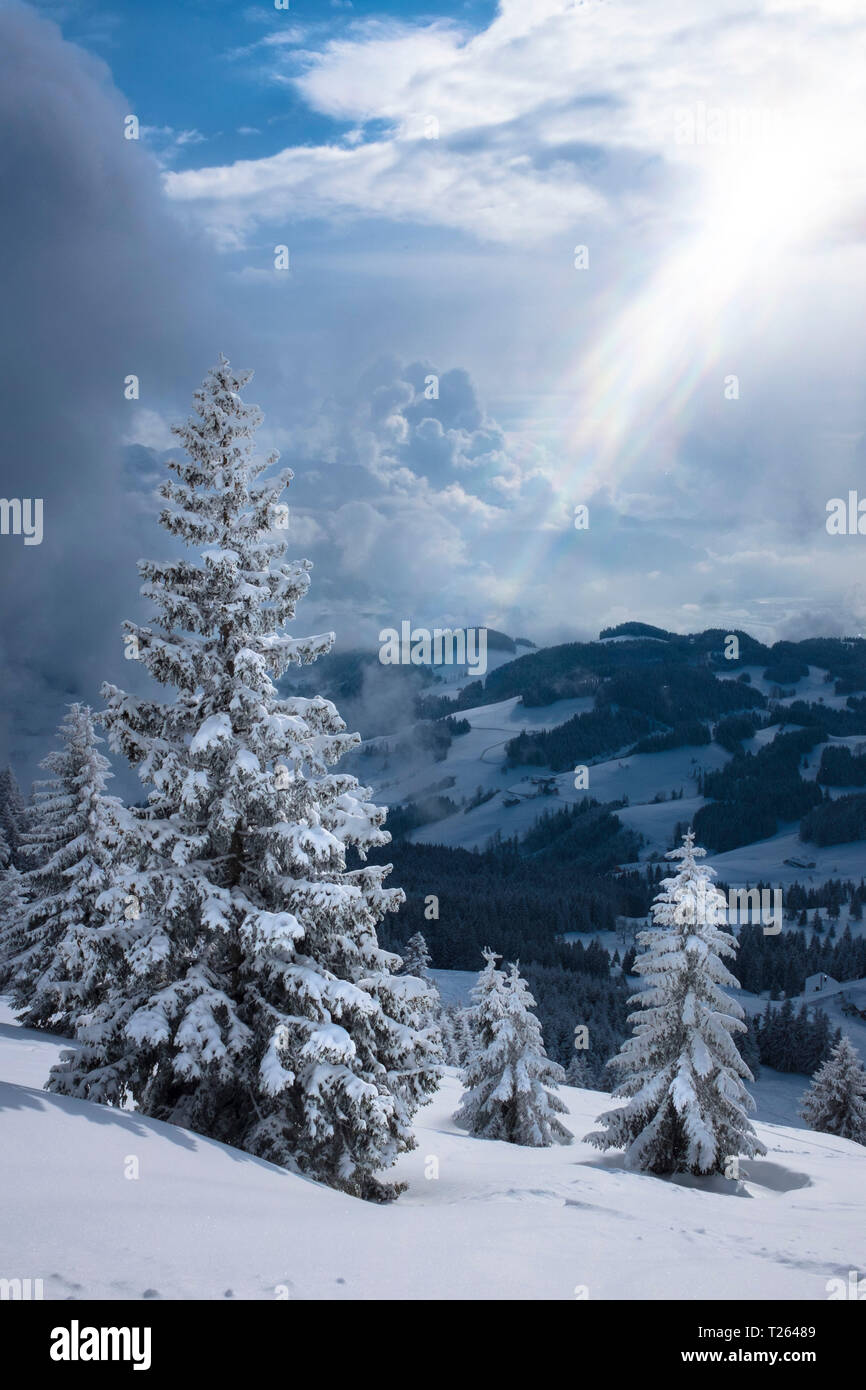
813	688
640	778
765	859
476	760
205	1221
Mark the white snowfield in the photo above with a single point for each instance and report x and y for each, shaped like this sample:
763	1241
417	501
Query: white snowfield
498	1222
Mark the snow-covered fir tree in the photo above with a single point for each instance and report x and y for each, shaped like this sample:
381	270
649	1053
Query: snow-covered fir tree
416	957
55	941
450	1052
463	1036
416	962
453	1028
506	1079
835	1103
686	1107
580	1072
13	901
254	1003
13	815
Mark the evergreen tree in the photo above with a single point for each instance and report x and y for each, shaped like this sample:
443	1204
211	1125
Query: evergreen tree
506	1079
836	1101
579	1072
56	940
13	815
416	957
450	1050
253	1002
464	1035
13	902
683	1076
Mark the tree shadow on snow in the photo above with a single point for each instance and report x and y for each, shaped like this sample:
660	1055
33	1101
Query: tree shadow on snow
14	1097
15	1033
755	1172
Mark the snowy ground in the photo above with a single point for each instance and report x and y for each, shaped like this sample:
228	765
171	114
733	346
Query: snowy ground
205	1221
765	859
814	688
477	760
474	759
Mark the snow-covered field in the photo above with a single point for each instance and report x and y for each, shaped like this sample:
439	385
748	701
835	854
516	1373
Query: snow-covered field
765	859
497	1221
476	760
813	688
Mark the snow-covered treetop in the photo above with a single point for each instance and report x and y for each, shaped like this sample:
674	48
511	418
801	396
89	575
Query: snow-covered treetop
688	851
225	616
689	898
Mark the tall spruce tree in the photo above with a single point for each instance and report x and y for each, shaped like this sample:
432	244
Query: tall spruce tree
55	922
506	1079
253	1002
836	1101
686	1109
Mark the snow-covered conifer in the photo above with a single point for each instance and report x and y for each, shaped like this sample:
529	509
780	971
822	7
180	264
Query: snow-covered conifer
74	838
836	1101
686	1107
464	1036
13	815
579	1072
256	1006
416	957
506	1079
450	1053
13	900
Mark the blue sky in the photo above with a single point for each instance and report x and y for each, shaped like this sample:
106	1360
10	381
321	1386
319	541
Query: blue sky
695	375
210	68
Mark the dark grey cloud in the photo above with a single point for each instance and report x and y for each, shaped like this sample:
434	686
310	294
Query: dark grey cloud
98	282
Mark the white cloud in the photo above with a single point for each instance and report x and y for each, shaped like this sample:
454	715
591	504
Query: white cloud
731	250
557	112
404	181
148	427
166	142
